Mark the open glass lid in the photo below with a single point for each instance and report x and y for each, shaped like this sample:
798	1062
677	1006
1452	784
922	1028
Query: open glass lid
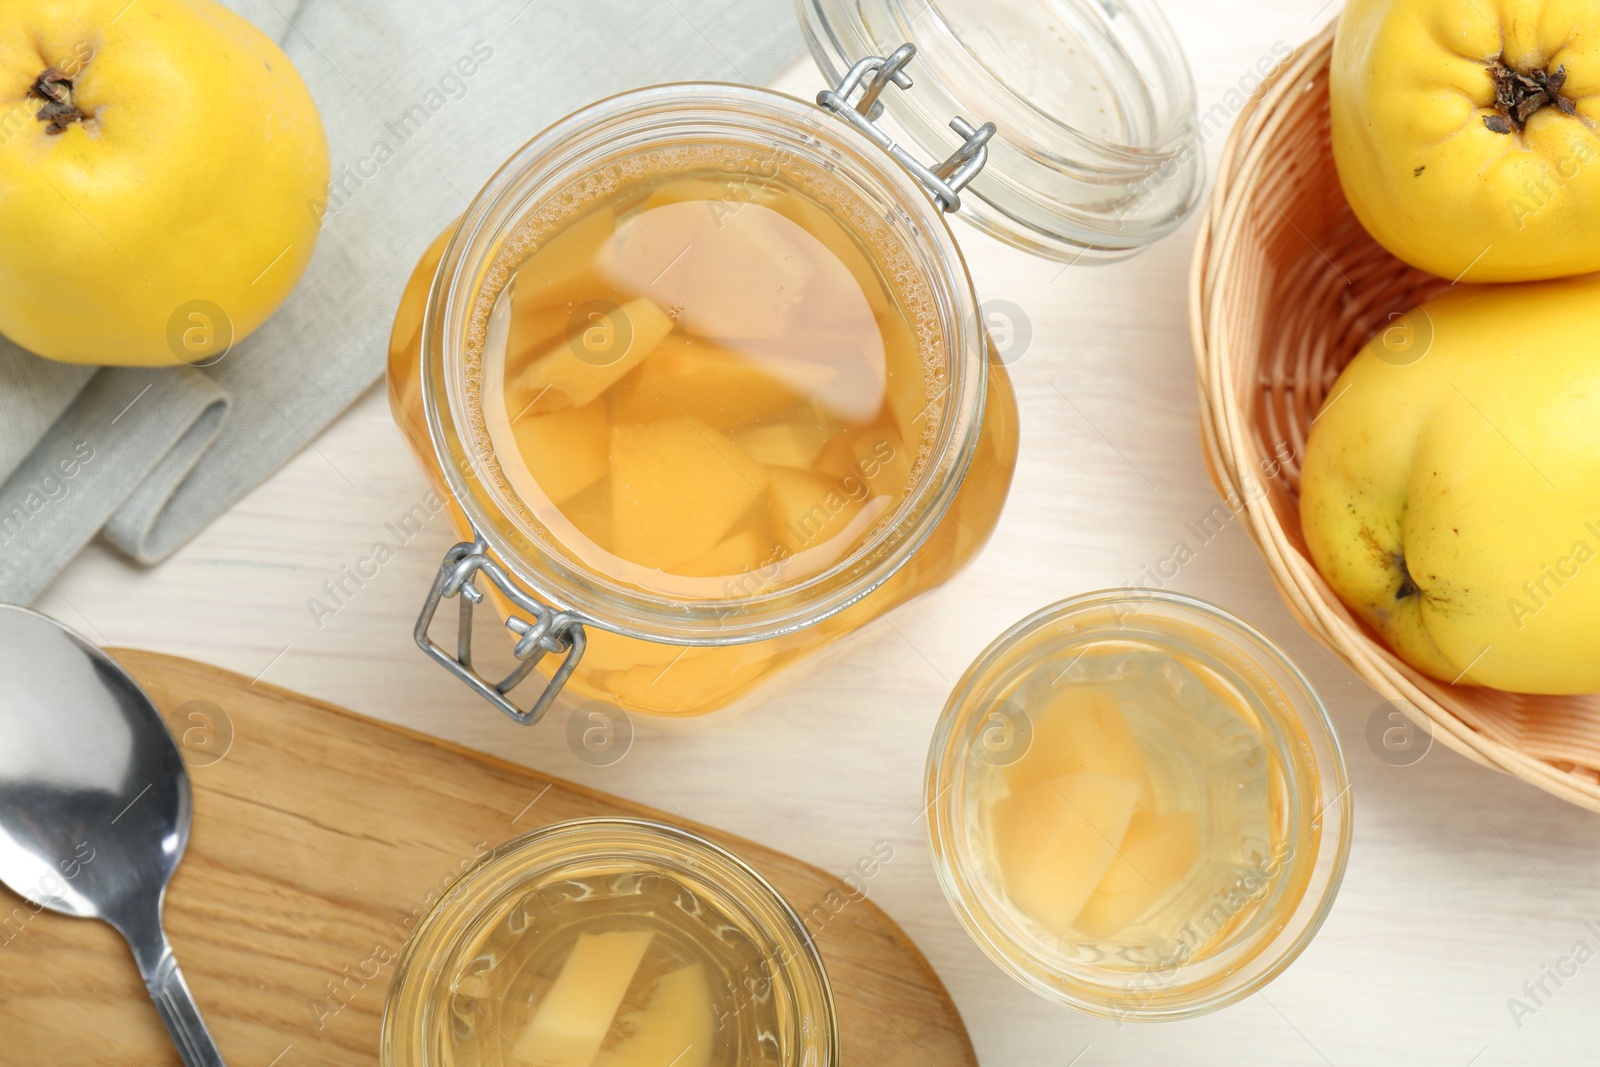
1097	153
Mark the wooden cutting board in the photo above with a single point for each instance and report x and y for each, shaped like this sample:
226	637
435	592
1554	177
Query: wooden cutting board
319	838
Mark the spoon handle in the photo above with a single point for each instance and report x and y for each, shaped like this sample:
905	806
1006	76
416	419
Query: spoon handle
180	1013
164	980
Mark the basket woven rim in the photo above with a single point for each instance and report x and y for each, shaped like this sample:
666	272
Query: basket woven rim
1226	421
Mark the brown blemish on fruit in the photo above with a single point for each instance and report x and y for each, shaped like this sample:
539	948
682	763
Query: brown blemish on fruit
1380	555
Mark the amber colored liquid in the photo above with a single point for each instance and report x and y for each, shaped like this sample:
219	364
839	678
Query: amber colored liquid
707	397
1146	822
703	386
689	996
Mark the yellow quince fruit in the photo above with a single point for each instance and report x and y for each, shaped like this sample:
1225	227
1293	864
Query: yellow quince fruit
1451	488
164	173
1467	133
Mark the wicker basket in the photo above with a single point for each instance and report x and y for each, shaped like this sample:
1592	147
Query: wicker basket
1286	288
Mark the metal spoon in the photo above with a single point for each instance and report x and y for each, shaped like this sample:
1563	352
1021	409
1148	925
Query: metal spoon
94	802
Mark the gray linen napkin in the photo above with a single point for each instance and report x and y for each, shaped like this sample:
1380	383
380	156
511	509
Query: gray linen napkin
147	458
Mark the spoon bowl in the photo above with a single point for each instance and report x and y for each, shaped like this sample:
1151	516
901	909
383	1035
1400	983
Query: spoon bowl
94	802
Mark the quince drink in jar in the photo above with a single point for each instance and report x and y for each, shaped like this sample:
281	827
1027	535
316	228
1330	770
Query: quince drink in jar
610	943
701	373
1137	805
714	379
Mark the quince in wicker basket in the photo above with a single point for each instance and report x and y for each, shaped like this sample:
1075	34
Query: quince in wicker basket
1286	288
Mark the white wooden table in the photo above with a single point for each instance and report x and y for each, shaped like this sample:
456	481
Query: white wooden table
1462	885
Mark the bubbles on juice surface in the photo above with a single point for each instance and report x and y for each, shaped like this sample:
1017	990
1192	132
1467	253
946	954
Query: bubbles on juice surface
615	970
1144	821
703	383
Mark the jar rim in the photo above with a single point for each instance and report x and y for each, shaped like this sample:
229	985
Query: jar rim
540	172
1179	990
597	838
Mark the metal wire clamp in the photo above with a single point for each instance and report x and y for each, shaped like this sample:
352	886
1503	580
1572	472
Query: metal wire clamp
550	631
872	75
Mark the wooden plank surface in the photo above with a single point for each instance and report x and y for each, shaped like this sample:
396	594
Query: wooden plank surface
320	837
